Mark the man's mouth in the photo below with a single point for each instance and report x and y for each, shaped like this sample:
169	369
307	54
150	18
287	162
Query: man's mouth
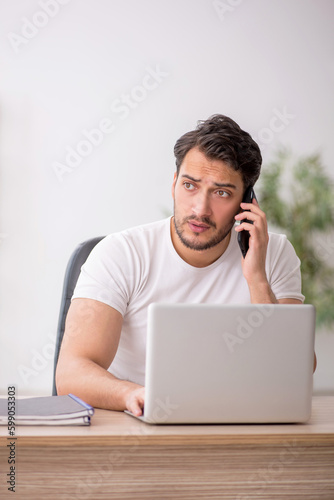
198	227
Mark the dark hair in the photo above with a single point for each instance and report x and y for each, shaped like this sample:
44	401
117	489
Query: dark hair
221	138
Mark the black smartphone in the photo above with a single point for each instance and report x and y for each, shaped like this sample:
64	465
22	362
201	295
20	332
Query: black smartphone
243	236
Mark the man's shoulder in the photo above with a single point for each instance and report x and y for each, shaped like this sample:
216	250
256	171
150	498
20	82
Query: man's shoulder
279	246
149	228
137	235
276	238
134	246
143	230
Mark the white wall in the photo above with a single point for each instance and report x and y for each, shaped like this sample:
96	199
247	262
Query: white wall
252	60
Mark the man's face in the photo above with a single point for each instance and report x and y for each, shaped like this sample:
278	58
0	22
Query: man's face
207	195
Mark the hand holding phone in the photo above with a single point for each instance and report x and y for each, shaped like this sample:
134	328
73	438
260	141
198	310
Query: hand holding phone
243	236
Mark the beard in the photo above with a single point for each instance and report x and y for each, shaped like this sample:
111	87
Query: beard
195	243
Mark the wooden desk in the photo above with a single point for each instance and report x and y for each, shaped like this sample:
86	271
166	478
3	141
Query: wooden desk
118	457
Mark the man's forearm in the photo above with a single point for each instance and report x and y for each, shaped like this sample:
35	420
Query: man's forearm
261	293
92	383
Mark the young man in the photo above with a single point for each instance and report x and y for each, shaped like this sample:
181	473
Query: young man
191	257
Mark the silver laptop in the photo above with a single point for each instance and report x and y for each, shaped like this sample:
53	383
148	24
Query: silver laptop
229	363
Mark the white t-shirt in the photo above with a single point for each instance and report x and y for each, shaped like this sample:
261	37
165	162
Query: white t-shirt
131	269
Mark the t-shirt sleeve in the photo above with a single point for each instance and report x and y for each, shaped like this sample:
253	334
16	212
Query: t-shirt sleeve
283	268
105	276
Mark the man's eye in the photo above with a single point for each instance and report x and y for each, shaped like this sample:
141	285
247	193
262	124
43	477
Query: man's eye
188	186
222	194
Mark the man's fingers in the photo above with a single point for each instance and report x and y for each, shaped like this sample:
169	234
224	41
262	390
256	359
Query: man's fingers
244	226
246	215
135	409
250	208
135	403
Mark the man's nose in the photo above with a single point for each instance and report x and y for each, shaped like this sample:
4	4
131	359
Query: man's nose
201	206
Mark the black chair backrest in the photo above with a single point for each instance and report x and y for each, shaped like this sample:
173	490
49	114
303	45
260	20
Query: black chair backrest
77	259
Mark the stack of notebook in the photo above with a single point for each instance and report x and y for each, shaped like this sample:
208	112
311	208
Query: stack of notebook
48	410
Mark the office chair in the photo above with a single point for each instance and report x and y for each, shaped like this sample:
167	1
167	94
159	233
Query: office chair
77	259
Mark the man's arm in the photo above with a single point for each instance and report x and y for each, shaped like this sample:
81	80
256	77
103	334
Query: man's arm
89	345
253	265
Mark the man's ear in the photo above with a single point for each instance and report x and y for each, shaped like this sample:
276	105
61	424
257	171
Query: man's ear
173	184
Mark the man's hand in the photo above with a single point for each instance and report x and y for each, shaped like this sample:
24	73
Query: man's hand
253	265
135	401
